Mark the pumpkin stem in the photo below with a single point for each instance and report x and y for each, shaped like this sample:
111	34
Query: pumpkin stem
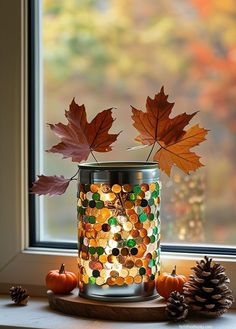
174	271
62	269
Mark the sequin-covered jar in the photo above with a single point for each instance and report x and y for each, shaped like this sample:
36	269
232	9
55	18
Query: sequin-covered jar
118	230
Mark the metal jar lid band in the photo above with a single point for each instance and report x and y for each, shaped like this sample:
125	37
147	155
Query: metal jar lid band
118	172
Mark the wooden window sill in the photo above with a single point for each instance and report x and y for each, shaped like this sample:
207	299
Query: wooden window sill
37	314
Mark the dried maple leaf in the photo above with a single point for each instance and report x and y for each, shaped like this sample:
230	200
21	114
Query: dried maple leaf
155	124
52	185
79	138
156	127
179	154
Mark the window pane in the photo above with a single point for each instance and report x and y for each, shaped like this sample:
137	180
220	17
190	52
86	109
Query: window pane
115	53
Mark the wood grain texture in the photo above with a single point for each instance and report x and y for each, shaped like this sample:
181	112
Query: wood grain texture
153	310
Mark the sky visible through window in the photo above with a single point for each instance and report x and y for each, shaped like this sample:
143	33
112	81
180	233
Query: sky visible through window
116	53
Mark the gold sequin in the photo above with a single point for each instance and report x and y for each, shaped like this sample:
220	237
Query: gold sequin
85	278
111	196
116	188
111	259
124	273
128	226
100	281
137	279
103	258
129	280
120	281
94	188
97	227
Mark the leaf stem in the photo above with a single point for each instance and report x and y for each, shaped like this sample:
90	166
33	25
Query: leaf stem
72	178
94	157
150	152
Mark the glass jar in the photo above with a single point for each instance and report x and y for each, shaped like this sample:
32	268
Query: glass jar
118	230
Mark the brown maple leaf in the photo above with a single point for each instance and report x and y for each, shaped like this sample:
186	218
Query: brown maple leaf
155	124
52	185
80	138
156	127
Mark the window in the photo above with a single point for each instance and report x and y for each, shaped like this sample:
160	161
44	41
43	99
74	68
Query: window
114	53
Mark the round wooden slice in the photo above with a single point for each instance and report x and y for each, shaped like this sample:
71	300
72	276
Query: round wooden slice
152	310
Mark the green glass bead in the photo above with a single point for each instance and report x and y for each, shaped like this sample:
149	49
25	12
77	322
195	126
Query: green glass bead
85	219
96	196
92	280
152	238
151	202
155	230
142	271
151	263
92	219
139	210
151	216
152	277
154	194
143	217
85	203
100	250
99	204
137	189
131	243
112	221
87	187
132	197
92	250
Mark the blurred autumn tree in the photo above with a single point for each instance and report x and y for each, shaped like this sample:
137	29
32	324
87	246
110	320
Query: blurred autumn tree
115	53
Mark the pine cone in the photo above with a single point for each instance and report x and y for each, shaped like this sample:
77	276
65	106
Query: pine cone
19	295
176	308
207	290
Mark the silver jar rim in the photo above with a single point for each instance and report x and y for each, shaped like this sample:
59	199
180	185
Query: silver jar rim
118	172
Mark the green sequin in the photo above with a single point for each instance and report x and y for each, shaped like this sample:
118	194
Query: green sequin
112	221
143	217
96	196
131	243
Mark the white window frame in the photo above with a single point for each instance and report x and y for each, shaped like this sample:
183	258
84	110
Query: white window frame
20	264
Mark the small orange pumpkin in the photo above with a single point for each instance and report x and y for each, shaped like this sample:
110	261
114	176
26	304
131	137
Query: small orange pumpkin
61	281
166	283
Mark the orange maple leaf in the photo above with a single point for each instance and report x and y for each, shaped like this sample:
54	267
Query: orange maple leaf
179	154
156	127
79	138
